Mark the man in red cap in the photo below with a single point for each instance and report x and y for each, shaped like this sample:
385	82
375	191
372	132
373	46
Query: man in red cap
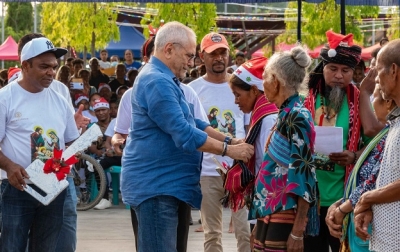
219	102
333	101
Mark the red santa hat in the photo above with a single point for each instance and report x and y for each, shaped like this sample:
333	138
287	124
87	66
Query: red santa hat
79	98
13	73
101	103
251	72
103	85
341	50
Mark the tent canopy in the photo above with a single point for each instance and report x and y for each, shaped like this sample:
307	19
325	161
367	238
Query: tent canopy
285	47
366	52
130	38
9	50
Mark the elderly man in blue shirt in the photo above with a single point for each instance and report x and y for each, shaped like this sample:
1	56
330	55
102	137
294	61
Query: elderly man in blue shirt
161	161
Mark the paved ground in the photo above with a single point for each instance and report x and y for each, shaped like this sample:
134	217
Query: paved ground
111	230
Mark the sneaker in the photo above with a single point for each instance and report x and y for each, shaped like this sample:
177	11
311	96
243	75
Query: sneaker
103	204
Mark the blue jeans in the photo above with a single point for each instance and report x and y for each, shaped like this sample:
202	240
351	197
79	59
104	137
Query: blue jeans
67	240
158	221
24	217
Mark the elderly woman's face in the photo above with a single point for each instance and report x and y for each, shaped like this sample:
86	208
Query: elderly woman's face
269	87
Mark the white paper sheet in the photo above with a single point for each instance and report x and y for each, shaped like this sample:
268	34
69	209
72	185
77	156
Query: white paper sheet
328	139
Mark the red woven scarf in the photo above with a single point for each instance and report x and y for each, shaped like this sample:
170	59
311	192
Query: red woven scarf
353	139
237	189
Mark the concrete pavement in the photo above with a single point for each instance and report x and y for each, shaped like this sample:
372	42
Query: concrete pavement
110	230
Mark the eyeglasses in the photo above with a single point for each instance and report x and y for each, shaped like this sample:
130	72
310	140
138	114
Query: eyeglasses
190	56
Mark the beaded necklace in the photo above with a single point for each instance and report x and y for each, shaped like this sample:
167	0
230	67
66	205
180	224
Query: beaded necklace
325	114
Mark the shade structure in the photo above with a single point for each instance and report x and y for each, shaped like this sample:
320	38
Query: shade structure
130	38
285	47
366	52
174	1
9	50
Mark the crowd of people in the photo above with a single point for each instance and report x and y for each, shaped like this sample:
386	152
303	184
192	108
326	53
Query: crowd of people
192	130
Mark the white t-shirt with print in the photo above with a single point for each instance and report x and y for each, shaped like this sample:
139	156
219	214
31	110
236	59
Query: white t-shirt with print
124	115
32	124
223	115
59	87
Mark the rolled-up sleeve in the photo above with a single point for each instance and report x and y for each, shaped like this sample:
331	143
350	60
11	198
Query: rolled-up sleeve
166	109
200	124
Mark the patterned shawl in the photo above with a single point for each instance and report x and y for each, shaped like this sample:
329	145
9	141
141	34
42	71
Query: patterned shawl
317	86
236	195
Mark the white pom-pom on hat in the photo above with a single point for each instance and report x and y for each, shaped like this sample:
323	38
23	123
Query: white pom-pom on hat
332	53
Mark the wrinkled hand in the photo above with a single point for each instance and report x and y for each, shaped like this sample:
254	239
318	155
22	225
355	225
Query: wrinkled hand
16	175
342	158
80	120
236	141
362	204
361	221
294	245
368	83
334	229
116	141
338	216
241	151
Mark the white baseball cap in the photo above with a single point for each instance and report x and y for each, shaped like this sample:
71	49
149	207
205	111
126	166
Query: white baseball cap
39	46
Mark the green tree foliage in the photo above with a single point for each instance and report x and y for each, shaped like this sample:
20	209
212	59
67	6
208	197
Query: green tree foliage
80	25
394	23
19	16
319	18
199	17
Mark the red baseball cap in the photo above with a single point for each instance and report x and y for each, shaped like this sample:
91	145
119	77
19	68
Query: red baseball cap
213	41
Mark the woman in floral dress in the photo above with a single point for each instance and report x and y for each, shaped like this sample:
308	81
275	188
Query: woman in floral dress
285	196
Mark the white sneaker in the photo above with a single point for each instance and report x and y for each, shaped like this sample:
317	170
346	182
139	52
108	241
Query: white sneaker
103	204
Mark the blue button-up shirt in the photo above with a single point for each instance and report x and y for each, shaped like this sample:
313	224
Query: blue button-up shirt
161	157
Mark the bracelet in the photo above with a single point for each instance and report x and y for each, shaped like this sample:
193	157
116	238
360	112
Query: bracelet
341	210
355	157
296	238
224	148
228	140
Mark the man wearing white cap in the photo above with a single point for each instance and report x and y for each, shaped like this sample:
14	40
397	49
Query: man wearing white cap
68	232
32	105
225	116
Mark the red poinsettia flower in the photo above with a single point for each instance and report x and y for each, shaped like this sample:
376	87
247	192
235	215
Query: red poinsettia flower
277	192
59	166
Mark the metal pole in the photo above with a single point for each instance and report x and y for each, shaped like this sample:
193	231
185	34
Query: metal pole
373	32
343	17
34	18
299	20
2	29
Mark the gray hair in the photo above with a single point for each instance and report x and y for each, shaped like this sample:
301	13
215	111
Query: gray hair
290	68
173	32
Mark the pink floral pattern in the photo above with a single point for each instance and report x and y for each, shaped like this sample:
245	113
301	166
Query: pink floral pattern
290	172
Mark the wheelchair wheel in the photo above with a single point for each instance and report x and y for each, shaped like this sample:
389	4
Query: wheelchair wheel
90	182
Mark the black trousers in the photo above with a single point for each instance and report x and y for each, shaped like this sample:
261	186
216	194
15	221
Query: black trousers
324	240
184	212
